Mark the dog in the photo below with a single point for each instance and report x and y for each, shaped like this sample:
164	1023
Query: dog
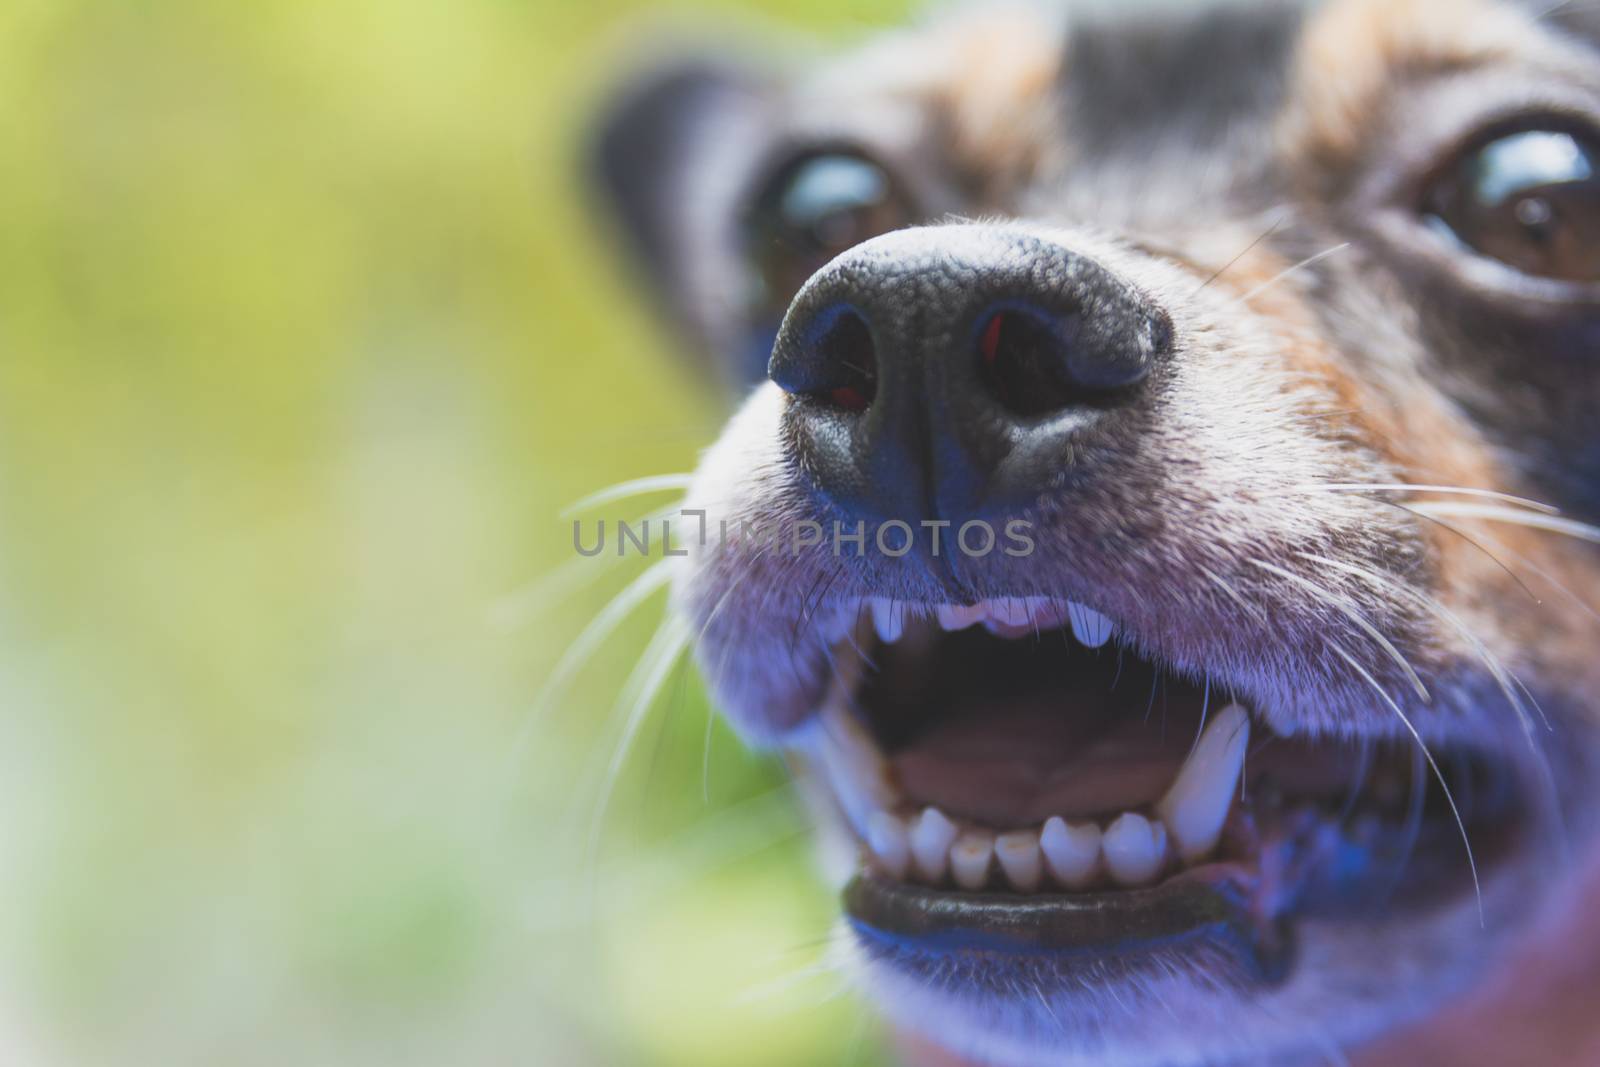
1174	432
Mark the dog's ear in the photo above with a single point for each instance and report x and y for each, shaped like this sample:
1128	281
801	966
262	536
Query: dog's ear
663	157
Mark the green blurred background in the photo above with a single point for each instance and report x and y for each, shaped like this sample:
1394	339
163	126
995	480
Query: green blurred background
306	338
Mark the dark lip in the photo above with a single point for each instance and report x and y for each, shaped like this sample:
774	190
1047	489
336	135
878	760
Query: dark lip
1226	918
1206	909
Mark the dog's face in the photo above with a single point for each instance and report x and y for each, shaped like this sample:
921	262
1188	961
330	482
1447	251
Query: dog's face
1157	402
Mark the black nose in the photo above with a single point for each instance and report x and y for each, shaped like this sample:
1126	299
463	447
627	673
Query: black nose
946	372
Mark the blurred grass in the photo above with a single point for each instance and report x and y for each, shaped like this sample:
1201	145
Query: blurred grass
305	339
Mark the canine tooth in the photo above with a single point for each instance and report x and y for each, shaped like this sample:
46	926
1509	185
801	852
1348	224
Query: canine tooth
1071	852
1089	626
931	837
856	752
837	746
1018	853
886	836
969	859
1197	802
959	616
888	619
1133	849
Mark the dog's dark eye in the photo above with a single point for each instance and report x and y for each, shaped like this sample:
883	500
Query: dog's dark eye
1530	199
815	207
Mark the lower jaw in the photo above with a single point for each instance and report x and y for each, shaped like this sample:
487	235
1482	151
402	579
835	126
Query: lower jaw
1209	987
1229	923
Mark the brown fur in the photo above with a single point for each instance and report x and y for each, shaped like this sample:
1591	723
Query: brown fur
1354	51
1420	433
1345	343
992	121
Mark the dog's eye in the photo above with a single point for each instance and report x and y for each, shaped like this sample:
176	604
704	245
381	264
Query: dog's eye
1530	199
814	207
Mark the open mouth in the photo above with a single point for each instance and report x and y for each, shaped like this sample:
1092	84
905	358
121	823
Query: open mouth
1019	782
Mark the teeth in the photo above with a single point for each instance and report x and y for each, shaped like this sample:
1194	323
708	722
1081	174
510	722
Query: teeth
1009	616
1134	849
1072	852
837	746
931	837
1196	805
1010	610
1045	613
960	616
886	836
1088	625
1018	853
969	859
889	619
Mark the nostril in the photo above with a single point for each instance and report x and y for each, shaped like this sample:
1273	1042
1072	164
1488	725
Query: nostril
838	362
1024	355
845	347
1036	361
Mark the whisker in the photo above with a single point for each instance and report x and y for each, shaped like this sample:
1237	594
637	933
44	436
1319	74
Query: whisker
1044	1002
654	483
1509	684
675	679
1268	232
711	711
1358	780
522	605
642	687
1233	594
1430	604
1582	531
1410	829
788	983
1454	490
1427	754
652	580
1549	579
1314	416
1287	271
1333	601
1443	524
1205	706
812	603
705	754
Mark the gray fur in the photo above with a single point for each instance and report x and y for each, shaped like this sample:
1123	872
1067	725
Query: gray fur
1166	166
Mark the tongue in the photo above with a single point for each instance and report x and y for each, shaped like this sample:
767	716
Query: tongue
1020	764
